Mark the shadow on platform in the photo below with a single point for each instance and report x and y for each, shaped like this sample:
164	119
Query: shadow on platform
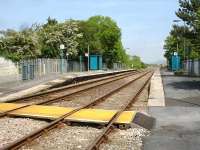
187	85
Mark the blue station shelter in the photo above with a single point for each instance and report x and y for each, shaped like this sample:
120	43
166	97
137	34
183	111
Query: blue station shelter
95	62
175	62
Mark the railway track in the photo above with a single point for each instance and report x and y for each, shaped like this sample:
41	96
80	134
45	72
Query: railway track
110	126
17	144
57	94
66	90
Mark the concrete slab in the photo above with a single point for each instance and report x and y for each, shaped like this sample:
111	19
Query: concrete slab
156	95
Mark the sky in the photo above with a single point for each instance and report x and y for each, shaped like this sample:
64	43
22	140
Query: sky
144	23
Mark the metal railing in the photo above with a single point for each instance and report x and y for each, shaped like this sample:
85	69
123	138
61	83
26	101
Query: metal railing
192	67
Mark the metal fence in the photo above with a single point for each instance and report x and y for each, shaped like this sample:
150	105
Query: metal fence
43	68
192	67
37	68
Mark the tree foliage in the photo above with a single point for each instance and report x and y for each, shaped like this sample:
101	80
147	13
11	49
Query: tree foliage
52	34
101	33
136	63
19	45
104	37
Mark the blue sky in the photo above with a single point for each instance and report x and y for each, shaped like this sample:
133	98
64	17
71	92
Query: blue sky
144	23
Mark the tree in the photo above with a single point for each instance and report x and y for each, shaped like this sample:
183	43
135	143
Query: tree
19	45
189	12
104	37
52	34
135	62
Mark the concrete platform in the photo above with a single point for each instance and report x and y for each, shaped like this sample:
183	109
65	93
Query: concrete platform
16	90
177	125
181	90
156	95
176	128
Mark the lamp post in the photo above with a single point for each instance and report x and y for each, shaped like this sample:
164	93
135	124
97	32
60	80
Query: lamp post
62	47
67	54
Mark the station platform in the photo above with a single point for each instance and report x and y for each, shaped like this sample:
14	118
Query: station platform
156	93
177	124
17	89
176	128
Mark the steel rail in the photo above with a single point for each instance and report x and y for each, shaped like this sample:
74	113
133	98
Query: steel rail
20	142
48	101
96	143
72	86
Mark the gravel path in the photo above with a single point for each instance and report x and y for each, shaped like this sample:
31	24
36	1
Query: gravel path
67	137
12	129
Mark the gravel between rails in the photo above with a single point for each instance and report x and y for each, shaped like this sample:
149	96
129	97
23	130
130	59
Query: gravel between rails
81	99
119	99
67	137
130	139
12	129
79	138
142	101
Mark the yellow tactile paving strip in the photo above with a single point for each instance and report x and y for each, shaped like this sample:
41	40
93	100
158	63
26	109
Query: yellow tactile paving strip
9	106
53	112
